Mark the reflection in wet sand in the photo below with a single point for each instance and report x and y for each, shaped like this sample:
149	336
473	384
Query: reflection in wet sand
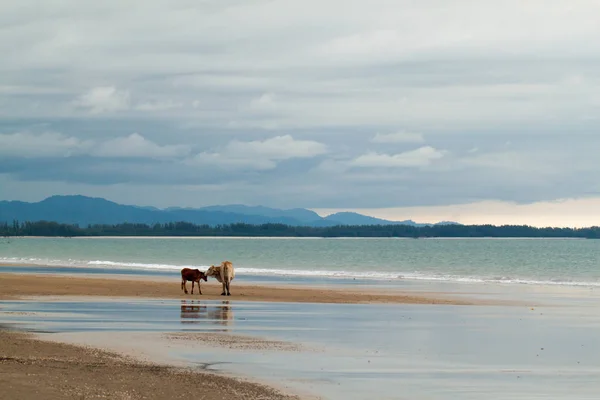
221	314
192	312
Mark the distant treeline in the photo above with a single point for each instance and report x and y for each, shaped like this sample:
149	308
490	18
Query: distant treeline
48	228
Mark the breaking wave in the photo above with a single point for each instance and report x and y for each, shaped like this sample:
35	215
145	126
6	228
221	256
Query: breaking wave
304	273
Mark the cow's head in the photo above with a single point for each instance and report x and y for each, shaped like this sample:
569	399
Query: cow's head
212	271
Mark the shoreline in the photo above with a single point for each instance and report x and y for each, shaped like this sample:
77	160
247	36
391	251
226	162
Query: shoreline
123	272
16	286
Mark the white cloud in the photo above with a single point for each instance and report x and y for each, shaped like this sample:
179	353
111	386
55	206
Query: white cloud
261	155
420	157
136	146
398	137
104	99
50	144
276	148
264	100
158	105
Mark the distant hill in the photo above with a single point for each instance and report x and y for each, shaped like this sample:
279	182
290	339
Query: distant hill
300	214
351	218
84	210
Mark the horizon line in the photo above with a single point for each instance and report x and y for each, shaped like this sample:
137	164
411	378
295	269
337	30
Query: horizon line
559	213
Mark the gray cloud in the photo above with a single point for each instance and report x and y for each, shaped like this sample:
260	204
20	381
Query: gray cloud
391	103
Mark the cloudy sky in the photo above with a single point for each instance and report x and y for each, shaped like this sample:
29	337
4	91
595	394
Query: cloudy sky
476	111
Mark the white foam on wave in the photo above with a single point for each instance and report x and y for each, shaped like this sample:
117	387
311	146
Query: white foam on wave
305	273
320	273
133	265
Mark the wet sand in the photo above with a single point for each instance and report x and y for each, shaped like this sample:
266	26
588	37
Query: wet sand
234	342
23	285
338	351
34	369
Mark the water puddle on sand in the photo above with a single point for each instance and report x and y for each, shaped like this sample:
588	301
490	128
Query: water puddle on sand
343	351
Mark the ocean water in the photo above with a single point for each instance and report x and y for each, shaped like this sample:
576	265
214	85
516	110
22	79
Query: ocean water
510	261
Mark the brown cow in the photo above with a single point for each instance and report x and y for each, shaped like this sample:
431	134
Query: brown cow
193	275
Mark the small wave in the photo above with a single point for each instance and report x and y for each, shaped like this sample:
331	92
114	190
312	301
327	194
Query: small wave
133	265
306	273
255	271
320	273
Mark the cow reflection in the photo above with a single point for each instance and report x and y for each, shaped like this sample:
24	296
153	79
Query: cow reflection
192	311
222	315
195	312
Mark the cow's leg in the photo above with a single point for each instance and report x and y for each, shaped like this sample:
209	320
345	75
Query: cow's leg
199	288
228	292
224	288
193	286
183	286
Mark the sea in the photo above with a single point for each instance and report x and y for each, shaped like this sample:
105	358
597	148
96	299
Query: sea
568	262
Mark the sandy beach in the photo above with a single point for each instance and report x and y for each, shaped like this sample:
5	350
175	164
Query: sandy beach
18	285
34	369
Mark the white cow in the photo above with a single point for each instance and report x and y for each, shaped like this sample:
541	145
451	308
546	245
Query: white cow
224	273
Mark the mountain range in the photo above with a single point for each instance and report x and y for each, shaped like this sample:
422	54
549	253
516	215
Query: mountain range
84	210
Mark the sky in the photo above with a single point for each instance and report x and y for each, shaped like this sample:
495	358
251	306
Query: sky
474	111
